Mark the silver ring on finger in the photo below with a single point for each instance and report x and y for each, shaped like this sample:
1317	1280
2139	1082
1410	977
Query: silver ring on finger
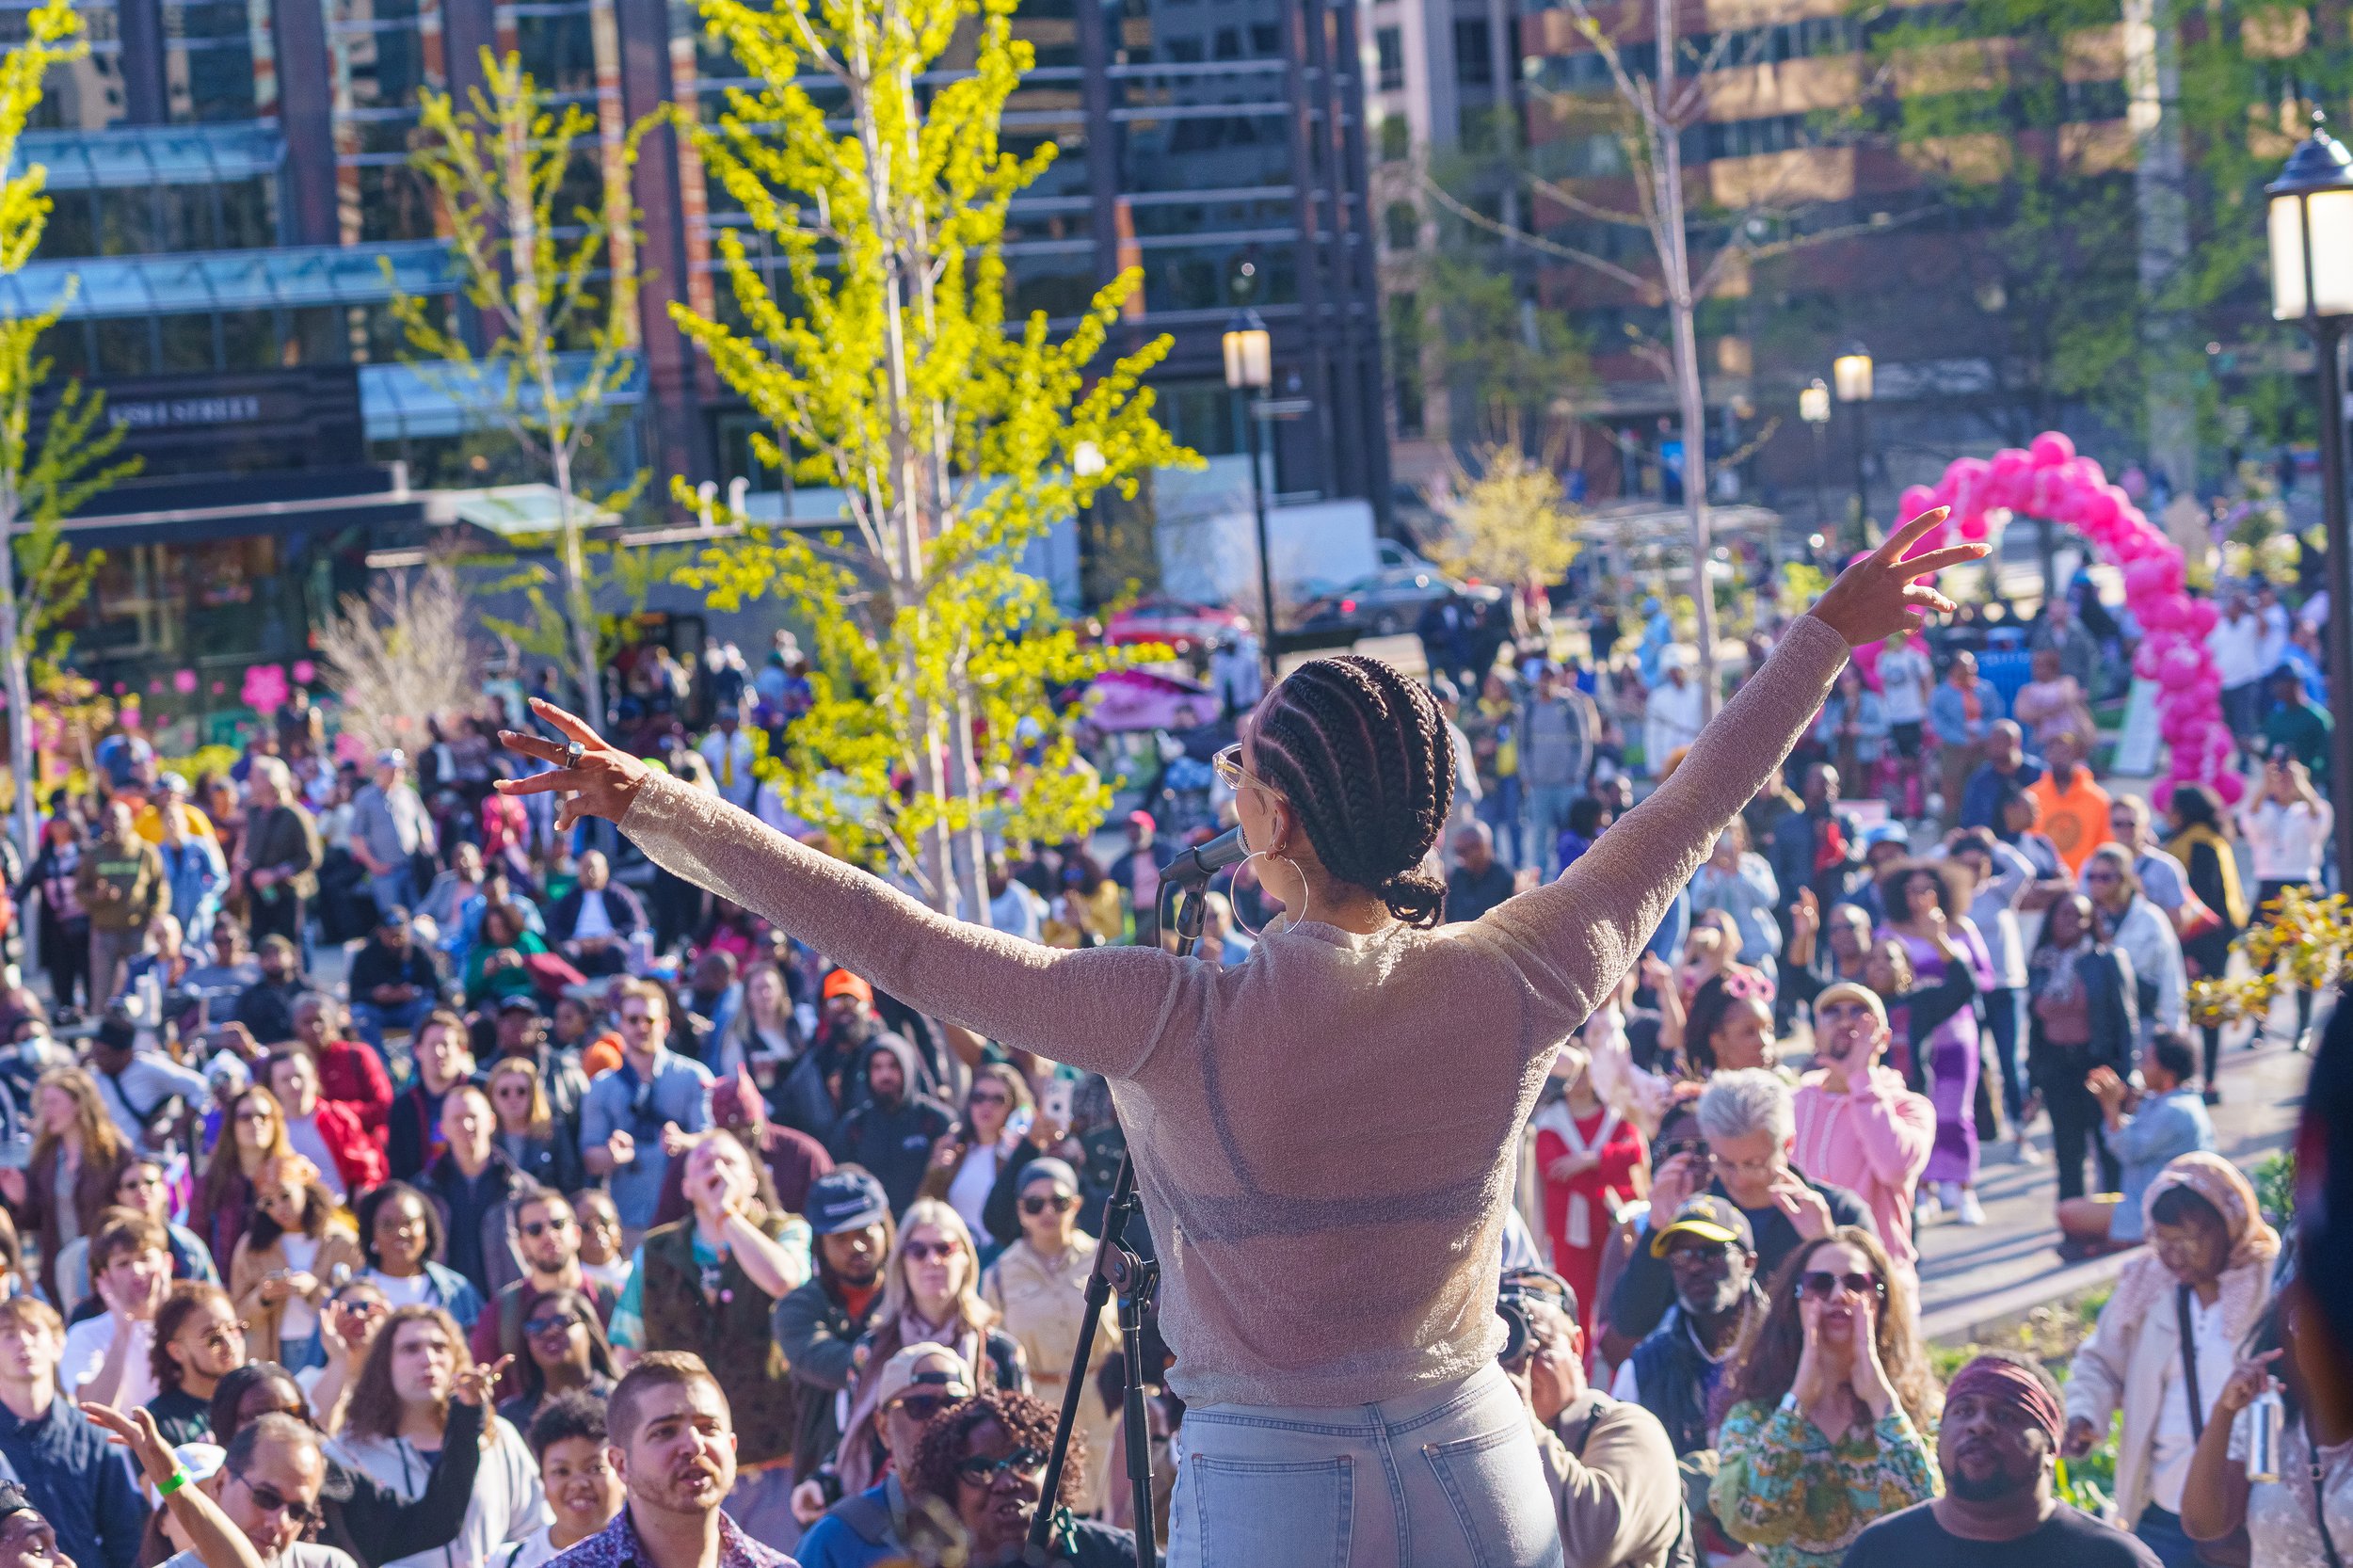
573	752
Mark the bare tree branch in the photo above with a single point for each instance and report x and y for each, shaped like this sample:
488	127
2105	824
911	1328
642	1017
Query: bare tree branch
1584	257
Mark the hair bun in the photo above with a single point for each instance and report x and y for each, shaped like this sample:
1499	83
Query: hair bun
1415	897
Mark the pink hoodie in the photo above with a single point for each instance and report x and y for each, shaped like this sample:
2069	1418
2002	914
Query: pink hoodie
1874	1141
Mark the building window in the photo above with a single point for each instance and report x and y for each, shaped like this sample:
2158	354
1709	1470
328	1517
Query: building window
1403	224
1397	139
1388	46
1406	361
1474	65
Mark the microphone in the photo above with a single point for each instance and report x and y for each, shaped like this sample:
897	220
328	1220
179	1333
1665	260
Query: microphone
1204	861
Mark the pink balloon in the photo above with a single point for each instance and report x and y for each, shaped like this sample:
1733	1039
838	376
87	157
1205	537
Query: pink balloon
2093	474
1974	527
2202	615
2050	449
2178	667
1915	500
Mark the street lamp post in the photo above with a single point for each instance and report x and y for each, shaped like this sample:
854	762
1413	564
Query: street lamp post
2312	278
1814	408
1249	370
1851	373
1086	462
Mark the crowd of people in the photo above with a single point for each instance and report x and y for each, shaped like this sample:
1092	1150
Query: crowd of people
397	1180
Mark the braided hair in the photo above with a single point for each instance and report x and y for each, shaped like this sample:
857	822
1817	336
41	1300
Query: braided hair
1362	753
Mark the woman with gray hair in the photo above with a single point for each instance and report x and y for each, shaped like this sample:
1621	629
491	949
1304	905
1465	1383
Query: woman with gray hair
1748	1126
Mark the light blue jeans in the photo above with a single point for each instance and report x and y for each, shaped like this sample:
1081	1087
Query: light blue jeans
1444	1478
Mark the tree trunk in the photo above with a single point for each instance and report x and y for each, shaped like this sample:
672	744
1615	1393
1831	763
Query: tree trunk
971	844
1675	261
2154	75
21	762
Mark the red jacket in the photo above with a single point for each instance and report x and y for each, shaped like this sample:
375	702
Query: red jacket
352	1074
358	1158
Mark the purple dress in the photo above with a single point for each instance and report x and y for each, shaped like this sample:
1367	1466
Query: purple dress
1950	1052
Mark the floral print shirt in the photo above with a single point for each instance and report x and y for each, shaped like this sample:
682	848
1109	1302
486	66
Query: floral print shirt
1797	1498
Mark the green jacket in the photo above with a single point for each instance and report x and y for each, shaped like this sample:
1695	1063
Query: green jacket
121	885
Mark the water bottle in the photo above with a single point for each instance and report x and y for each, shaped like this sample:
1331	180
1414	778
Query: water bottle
2263	1436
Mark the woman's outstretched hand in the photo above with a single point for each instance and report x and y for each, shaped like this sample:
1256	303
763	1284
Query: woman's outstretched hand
603	783
1881	594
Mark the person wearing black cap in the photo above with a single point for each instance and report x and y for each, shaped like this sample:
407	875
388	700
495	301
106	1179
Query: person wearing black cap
1710	1252
818	1325
26	1539
1610	1466
393	981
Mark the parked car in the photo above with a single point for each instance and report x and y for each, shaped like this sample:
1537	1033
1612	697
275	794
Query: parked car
1384	604
1186	627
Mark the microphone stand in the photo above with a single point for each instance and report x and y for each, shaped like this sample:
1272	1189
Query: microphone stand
1119	1270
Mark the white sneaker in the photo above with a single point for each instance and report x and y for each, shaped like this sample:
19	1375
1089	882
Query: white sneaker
1972	1212
1924	1205
1948	1193
2025	1153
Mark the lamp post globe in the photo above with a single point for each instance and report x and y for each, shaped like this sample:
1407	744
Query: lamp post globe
2310	219
1249	370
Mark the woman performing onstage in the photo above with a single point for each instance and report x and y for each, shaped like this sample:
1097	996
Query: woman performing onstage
1329	1222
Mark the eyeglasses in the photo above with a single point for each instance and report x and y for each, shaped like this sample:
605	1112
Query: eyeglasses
1227	764
257	1113
982	1471
1820	1284
1766	1166
537	1326
923	1407
540	1228
999	1097
1698	1258
270	1500
932	1252
1059	1203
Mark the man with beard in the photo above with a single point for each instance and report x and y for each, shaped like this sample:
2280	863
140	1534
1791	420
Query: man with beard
1995	1445
673	1446
1710	1251
893	1134
818	1325
812	1095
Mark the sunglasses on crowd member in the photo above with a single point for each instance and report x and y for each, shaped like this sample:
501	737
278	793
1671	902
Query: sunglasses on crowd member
551	1323
1822	1284
931	1252
1713	1254
540	1228
923	1407
1058	1202
988	1096
270	1500
981	1470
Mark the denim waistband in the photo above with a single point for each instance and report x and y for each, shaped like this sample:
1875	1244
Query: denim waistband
1400	1415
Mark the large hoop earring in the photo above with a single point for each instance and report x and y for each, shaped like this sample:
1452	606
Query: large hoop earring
1290	920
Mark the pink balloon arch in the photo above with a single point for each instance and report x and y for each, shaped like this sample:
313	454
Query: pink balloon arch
2049	480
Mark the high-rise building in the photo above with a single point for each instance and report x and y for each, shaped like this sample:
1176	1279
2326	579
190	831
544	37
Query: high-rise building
234	211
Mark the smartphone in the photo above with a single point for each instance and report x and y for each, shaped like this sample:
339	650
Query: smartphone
1054	1103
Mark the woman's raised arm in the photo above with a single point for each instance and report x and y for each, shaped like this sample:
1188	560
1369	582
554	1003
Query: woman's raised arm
1572	938
1098	1009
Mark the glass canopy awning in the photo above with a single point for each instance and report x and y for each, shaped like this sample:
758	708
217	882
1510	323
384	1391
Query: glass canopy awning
136	156
286	277
417	402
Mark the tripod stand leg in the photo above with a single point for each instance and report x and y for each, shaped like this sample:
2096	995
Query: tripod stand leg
1139	1425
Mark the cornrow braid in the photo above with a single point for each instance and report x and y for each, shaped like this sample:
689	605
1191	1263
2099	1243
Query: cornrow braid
1362	753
